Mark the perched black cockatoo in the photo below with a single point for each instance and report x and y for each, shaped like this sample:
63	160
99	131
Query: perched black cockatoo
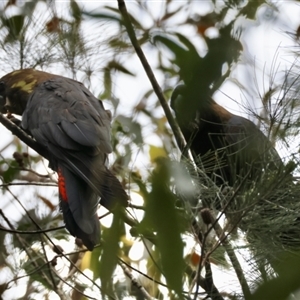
72	125
230	146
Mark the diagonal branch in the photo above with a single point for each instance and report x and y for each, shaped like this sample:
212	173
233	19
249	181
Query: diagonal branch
233	258
23	136
135	282
156	87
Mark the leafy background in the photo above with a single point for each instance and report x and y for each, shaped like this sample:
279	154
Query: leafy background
246	53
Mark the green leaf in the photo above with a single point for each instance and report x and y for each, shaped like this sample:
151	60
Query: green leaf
170	43
131	128
107	94
75	10
95	262
188	44
11	173
119	44
38	270
109	258
136	178
153	271
218	256
104	16
113	65
156	152
160	211
186	55
46	221
14	25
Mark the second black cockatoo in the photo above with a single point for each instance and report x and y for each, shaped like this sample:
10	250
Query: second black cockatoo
72	125
230	146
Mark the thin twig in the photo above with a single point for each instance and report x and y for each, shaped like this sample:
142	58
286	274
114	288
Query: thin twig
28	183
136	206
50	269
4	229
206	283
140	272
224	241
23	136
51	242
48	263
33	261
135	282
233	258
150	278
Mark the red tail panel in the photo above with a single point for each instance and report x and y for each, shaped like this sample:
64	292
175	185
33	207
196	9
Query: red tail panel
78	204
62	186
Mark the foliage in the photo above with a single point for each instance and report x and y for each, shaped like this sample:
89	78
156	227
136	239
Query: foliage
189	231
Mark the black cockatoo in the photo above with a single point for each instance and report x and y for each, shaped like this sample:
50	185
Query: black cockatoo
72	125
230	146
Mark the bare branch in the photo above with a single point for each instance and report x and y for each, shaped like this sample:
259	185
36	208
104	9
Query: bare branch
135	282
23	136
233	258
2	228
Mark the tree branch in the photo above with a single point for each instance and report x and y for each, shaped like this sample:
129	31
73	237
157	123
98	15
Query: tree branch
156	87
233	258
135	282
23	136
